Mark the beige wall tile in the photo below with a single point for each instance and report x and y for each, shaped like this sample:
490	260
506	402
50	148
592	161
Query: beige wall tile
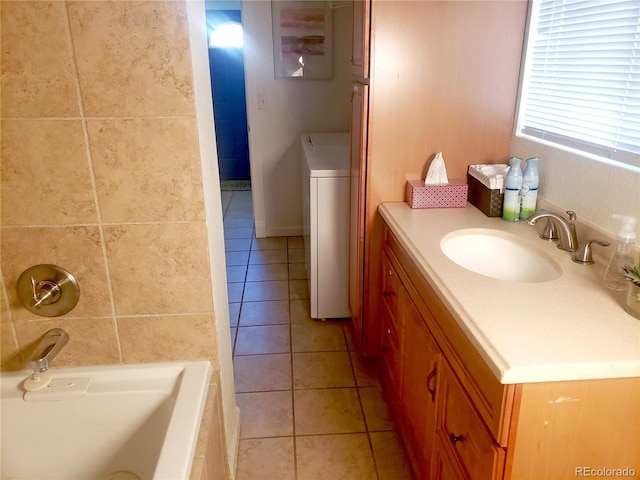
77	249
198	469
159	268
147	169
5	313
167	338
37	65
92	341
45	173
9	354
216	458
133	74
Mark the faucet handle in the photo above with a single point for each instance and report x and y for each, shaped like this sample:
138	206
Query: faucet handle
572	216
583	255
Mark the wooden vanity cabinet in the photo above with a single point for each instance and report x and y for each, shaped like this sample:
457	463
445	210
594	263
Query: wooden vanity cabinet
429	76
456	418
420	383
360	38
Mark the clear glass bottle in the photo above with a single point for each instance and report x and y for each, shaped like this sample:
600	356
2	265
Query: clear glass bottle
624	253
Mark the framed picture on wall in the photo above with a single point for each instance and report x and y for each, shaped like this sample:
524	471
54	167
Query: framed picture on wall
302	39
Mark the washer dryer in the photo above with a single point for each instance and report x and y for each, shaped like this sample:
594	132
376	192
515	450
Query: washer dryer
325	199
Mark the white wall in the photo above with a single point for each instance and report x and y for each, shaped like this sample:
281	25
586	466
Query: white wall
294	106
593	189
213	208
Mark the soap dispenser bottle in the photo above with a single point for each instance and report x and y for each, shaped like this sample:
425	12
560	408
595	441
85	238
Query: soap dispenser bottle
624	253
529	193
512	186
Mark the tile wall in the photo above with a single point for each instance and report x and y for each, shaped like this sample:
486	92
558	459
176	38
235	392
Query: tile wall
101	175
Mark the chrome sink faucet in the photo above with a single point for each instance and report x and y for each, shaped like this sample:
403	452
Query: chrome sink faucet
566	228
47	349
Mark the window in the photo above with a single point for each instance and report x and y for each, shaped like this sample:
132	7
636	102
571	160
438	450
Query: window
227	35
581	84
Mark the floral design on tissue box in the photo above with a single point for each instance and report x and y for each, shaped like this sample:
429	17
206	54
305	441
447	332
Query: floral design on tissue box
452	195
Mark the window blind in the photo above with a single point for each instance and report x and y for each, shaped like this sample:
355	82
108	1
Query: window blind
582	76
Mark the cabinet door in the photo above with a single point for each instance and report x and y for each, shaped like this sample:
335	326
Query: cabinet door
463	434
443	467
360	39
391	356
420	372
358	173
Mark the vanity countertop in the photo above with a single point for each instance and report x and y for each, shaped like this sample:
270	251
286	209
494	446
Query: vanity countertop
570	328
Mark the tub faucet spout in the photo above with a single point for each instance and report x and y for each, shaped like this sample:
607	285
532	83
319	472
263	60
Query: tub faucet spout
47	349
566	228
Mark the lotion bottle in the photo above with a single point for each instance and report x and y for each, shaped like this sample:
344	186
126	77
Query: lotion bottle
623	255
529	192
512	186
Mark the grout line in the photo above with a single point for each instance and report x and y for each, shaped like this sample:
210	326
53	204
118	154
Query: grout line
94	188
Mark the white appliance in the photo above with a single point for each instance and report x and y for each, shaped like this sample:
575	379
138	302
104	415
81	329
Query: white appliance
325	198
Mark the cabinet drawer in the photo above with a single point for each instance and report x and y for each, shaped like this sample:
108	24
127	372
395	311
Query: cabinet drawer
390	286
461	430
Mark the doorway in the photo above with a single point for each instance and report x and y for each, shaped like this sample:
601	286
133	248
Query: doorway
226	65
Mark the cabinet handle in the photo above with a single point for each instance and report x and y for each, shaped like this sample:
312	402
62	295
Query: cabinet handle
385	349
387	294
456	438
430	379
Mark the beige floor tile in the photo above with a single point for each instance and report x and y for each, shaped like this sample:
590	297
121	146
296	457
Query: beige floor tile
262	340
233	333
376	409
298	289
324	411
299	310
234	314
267	272
264	313
391	458
322	370
262	291
297	271
237	244
236	273
317	336
265	414
238	220
226	199
234	292
296	255
335	457
254	373
365	369
238	233
261	257
237	258
243	199
266	459
270	243
295	243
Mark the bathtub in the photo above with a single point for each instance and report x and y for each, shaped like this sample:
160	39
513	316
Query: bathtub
121	422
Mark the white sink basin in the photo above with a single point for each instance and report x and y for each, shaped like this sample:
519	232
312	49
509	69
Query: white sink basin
499	255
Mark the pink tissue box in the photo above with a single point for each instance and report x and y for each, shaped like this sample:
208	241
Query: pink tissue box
453	195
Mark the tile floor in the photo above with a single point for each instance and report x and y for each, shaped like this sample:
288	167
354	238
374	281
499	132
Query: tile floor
311	405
